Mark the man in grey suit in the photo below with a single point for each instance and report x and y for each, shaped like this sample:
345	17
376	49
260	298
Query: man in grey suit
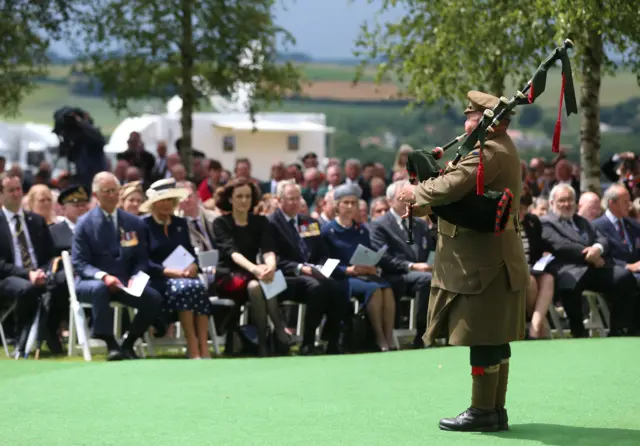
579	264
405	266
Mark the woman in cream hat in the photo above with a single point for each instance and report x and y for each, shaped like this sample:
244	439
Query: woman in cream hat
183	292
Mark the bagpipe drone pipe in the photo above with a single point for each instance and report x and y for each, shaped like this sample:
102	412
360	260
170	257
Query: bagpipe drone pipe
489	211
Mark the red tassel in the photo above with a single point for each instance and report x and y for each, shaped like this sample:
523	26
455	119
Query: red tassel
531	98
555	144
477	370
480	175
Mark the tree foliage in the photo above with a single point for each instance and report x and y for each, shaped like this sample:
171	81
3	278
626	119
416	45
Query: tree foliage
26	30
439	50
139	48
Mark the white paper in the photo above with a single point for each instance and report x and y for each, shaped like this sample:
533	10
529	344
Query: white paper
329	266
179	259
367	257
277	285
138	282
208	258
542	263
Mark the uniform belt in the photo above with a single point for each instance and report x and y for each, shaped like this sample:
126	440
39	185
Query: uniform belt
510	226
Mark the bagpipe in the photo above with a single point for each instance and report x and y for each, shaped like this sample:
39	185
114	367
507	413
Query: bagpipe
489	211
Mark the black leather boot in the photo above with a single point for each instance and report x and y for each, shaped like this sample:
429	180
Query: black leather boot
503	419
472	420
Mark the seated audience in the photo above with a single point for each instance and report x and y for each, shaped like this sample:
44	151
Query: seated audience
109	248
379	207
74	201
26	250
622	232
580	263
343	235
40	202
131	197
406	265
240	236
183	291
589	206
200	220
541	283
300	249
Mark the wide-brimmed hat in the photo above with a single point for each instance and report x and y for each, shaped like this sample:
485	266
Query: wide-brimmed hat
163	190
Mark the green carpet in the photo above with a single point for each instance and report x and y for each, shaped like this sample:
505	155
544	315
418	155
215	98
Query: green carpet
562	392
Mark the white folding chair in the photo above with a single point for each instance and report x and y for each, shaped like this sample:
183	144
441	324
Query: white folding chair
4	316
411	331
596	323
78	326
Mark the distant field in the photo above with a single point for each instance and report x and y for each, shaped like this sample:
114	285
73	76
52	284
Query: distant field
328	82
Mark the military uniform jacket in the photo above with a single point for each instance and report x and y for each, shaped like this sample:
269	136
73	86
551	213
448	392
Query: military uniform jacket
467	261
479	279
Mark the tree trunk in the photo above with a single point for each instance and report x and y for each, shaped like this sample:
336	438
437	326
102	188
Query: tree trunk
188	90
591	68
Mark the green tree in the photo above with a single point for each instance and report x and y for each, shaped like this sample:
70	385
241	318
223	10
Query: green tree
594	26
26	30
439	50
141	49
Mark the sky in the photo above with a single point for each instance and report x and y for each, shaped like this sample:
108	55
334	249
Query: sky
323	29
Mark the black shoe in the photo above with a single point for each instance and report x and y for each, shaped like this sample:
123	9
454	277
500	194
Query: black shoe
334	349
307	350
417	343
129	353
472	420
503	419
115	355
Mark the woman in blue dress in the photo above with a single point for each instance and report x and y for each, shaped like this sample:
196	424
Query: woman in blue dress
183	291
343	235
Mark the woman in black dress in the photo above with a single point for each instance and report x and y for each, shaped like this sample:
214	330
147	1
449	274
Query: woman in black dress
240	236
541	284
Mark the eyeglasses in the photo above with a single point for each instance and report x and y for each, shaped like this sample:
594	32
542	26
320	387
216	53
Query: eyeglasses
111	191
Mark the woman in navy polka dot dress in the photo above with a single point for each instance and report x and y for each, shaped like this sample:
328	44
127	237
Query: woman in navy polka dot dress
184	293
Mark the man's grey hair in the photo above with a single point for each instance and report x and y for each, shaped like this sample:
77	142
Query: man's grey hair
612	193
281	187
560	188
391	190
100	177
352	161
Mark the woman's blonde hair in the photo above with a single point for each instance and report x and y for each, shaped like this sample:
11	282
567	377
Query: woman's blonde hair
130	188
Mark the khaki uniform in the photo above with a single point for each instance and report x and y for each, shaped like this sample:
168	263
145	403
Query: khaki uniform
479	279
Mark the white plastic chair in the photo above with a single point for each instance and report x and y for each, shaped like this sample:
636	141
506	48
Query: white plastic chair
78	327
4	316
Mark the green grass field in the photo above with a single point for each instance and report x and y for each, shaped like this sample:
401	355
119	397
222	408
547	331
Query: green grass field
40	105
561	393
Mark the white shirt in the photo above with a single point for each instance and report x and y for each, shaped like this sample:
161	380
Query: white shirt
71	224
397	218
16	246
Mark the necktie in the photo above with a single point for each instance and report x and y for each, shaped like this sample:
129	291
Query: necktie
109	229
301	244
623	236
203	236
27	262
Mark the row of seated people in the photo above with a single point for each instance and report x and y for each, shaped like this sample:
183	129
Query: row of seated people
601	256
110	245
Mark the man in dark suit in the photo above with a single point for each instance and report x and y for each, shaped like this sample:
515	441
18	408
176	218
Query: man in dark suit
580	264
352	172
406	265
108	249
301	253
622	232
277	174
26	250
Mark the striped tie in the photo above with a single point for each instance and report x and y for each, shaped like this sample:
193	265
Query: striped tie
27	262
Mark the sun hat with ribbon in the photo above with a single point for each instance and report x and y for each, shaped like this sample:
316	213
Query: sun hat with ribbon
163	190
